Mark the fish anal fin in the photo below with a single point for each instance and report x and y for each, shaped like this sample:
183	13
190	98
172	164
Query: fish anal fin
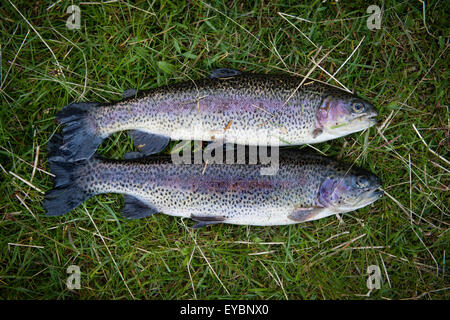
304	214
203	221
136	209
148	143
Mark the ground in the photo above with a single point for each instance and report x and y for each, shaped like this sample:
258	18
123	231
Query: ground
401	67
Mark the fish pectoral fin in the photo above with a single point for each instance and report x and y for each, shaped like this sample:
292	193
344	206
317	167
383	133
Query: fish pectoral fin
129	93
136	209
223	73
148	143
317	132
203	221
304	214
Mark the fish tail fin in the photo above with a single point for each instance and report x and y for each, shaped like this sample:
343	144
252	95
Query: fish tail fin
66	193
79	134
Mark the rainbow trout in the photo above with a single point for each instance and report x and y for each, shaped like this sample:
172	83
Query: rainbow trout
306	187
227	107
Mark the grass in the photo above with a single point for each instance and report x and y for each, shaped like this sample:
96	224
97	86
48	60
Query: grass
402	68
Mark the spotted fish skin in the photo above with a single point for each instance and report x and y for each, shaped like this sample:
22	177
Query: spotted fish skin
246	108
201	110
225	193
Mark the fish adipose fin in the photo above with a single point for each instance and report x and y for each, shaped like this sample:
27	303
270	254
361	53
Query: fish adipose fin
129	93
203	221
224	73
148	143
136	209
66	194
80	140
304	214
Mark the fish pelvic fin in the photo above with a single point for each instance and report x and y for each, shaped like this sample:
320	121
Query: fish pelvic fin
80	139
203	221
66	193
135	208
304	214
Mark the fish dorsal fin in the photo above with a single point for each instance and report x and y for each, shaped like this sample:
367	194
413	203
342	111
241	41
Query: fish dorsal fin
148	143
203	221
222	73
136	209
304	214
129	93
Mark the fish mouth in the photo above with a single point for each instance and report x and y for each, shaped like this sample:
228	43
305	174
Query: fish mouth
365	199
377	193
363	121
354	125
358	123
371	196
371	118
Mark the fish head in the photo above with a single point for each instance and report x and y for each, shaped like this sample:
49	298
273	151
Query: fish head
342	114
357	188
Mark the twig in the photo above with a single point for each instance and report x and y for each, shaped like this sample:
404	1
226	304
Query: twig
385	271
35	163
14	60
27	182
24	245
25	205
189	271
432	151
346	60
282	15
204	257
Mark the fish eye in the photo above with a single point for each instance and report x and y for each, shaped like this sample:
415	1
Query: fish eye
358	107
362	181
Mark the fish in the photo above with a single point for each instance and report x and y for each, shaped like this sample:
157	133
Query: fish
306	187
229	107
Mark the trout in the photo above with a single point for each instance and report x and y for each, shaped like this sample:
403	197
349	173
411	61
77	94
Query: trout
228	107
306	187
